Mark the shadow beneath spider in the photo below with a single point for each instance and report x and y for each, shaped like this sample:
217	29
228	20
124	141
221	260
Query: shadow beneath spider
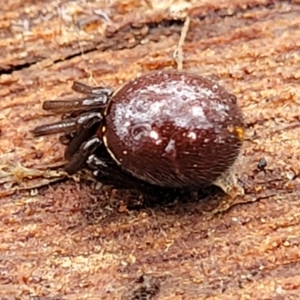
110	205
168	198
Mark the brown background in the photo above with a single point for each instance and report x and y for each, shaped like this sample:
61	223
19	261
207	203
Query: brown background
66	240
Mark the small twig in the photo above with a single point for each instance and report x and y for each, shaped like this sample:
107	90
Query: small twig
178	53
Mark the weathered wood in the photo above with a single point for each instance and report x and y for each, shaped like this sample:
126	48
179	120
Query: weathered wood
66	240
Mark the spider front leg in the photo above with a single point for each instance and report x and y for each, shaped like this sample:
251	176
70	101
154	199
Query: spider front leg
96	97
81	117
67	125
95	92
76	112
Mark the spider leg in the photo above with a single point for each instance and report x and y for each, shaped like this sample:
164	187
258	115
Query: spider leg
96	97
82	88
86	119
79	158
57	127
82	134
108	172
65	106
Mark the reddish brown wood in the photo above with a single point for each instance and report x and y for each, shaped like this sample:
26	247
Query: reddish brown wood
68	241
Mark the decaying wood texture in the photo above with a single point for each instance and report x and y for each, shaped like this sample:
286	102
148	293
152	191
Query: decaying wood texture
62	238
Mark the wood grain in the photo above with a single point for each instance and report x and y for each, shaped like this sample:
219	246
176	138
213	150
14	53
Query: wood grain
62	238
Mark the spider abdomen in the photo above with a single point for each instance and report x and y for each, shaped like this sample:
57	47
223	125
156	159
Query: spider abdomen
173	129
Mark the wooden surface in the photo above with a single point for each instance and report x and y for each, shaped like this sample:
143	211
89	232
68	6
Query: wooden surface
64	239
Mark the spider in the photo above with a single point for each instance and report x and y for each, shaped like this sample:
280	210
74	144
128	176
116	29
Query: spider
168	129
